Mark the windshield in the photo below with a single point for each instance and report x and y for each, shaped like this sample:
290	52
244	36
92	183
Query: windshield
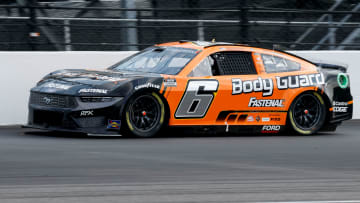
162	60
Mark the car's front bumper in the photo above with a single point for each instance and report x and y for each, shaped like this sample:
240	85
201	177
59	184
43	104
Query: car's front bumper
85	117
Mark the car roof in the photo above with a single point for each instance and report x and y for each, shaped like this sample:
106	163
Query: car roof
197	44
201	45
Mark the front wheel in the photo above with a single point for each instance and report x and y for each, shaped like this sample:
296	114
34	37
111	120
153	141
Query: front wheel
307	113
144	115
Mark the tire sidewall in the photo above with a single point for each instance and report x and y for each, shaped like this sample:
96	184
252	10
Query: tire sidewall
131	130
317	127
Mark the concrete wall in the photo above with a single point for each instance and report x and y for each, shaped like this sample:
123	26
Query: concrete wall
20	71
350	58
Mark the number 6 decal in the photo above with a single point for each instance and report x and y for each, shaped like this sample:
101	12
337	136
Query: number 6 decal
197	98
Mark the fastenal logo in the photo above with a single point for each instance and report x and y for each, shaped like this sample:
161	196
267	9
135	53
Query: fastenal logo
266	102
47	100
100	91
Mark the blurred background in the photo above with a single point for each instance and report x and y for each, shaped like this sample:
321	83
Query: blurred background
130	25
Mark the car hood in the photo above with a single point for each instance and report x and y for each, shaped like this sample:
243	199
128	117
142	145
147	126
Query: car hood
94	82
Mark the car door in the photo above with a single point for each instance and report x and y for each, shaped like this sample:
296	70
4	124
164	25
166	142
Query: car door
242	88
219	89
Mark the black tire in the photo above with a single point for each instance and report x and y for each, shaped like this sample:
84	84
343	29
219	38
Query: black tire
307	113
144	115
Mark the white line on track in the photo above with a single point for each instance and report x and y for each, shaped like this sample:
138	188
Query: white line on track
332	201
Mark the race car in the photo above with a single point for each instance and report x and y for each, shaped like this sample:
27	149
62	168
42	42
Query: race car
202	86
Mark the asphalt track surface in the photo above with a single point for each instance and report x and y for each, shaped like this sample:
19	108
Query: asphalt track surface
39	167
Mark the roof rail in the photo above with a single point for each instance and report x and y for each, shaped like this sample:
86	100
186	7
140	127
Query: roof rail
291	54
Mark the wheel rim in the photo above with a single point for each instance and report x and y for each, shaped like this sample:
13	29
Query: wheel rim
144	113
307	110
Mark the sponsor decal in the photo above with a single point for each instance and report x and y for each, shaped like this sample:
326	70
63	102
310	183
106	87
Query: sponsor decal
296	81
66	74
90	75
270	129
265	119
114	124
275	119
87	113
266	86
57	86
257	118
147	85
109	78
336	103
250	119
100	91
340	107
171	82
266	102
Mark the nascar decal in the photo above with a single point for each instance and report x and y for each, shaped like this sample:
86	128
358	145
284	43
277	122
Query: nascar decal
266	102
197	98
170	82
266	86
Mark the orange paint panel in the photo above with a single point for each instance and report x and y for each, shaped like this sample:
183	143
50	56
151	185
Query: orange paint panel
234	109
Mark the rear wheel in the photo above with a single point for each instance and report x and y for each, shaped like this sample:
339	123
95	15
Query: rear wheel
144	115
307	113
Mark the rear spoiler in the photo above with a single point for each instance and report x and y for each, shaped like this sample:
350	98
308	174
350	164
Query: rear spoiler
331	66
342	68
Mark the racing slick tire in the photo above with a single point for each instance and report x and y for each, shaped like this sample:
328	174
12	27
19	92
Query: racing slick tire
307	113
144	115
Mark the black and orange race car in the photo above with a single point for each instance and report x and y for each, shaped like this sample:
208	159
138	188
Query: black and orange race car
202	85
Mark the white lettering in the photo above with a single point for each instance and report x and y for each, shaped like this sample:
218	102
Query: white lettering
100	91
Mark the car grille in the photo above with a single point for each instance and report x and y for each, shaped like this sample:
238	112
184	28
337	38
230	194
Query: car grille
88	122
52	100
51	118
